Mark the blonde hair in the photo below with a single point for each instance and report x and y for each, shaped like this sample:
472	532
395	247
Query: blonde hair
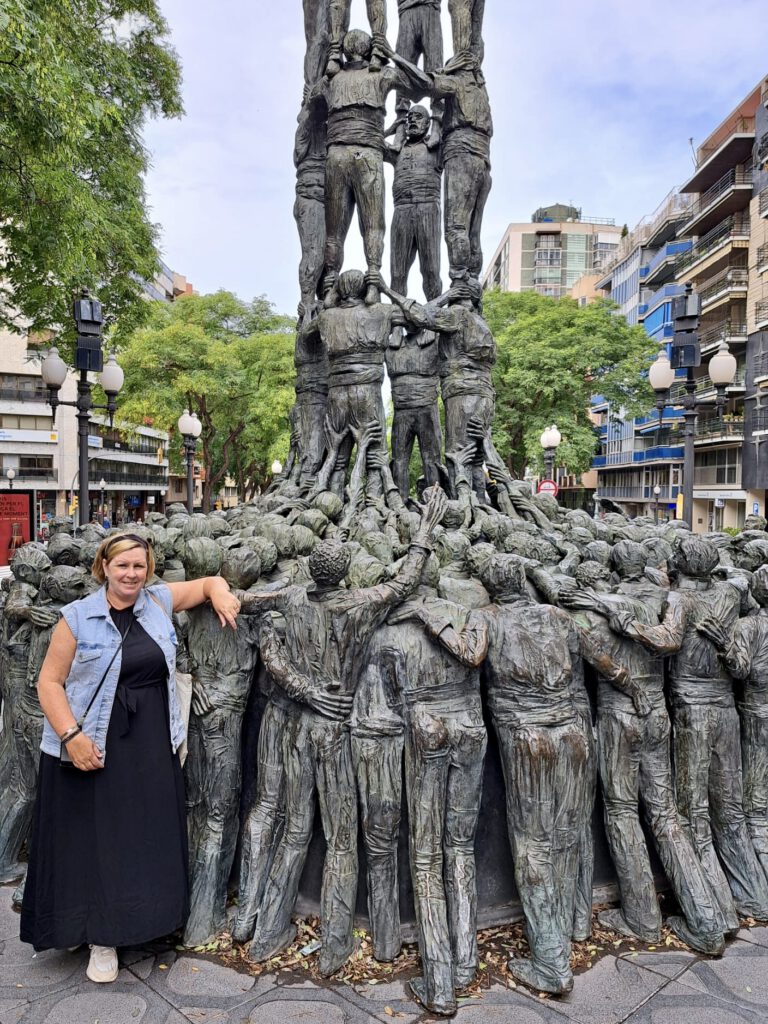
117	544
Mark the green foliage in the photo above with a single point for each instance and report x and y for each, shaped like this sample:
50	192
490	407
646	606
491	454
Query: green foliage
553	356
227	360
78	78
734	531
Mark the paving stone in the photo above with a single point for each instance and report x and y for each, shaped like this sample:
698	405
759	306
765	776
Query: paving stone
191	977
305	1011
107	1007
21	966
669	962
11	1011
516	1011
740	978
606	994
677	1003
198	1015
142	968
390	992
757	936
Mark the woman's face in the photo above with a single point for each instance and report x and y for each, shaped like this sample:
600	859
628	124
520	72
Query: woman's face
126	574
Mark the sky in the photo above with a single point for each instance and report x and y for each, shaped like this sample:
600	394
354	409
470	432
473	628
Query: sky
593	104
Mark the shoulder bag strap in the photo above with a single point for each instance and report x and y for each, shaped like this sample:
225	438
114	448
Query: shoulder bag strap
106	673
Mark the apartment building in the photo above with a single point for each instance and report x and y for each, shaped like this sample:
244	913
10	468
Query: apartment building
130	460
551	253
710	234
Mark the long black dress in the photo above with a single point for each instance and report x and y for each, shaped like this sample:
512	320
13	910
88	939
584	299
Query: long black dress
108	855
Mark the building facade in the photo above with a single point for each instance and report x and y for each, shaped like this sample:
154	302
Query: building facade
709	234
553	252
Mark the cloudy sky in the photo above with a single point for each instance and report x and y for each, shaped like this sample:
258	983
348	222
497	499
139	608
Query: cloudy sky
593	104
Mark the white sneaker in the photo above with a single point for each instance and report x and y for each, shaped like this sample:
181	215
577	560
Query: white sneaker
102	967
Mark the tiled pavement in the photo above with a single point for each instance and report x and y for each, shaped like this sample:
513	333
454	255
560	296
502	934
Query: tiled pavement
169	988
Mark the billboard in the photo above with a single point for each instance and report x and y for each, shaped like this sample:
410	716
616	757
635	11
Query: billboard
15	523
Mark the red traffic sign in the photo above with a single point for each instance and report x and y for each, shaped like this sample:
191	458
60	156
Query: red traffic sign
548	487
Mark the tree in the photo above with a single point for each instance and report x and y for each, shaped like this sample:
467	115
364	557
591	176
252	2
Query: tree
229	361
553	357
78	78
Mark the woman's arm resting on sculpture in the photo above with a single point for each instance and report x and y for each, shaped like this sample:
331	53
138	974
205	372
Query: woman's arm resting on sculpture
53	699
209	588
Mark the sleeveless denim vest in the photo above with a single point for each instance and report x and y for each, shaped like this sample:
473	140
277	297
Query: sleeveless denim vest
97	637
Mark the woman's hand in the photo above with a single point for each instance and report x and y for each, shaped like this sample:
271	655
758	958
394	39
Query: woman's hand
84	753
226	605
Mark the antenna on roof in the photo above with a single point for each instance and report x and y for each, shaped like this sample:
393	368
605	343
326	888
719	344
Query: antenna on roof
693	151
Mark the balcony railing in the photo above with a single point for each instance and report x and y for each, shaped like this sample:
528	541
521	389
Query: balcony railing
761	365
133	479
133	447
24	395
759	420
720	428
762	259
763	202
761	314
739	126
629	493
36	473
734	279
731	227
731	179
728	329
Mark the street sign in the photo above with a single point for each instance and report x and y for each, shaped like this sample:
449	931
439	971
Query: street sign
755	508
548	487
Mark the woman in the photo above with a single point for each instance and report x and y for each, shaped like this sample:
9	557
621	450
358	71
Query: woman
108	857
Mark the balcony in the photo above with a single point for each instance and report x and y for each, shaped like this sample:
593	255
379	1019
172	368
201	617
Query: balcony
730	285
763	203
663	222
729	194
35	474
662	266
716	430
135	448
24	395
147	480
759	422
733	231
627	493
733	146
733	331
660	452
762	259
761	315
760	376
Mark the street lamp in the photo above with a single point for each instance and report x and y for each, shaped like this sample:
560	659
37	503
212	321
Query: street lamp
277	467
550	439
102	488
722	371
11	474
656	493
190	429
88	357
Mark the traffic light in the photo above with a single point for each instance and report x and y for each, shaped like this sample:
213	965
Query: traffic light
686	350
74	504
88	321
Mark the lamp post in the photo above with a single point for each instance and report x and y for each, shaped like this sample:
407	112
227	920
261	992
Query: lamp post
722	370
88	357
190	429
102	488
656	493
11	475
162	501
550	441
277	467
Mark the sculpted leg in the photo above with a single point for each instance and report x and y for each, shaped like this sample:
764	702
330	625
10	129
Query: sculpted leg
704	930
620	739
310	222
378	764
729	826
263	824
692	738
754	755
403	437
339	209
465	784
426	767
274	930
337	796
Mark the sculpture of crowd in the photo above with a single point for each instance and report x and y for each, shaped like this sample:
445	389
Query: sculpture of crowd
381	632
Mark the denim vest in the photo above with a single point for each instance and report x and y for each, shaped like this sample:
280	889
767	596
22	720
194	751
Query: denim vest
97	637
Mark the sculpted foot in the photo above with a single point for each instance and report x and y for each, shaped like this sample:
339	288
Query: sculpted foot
529	974
332	960
264	949
443	1005
712	944
614	919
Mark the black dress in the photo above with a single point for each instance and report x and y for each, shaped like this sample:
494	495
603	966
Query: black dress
108	854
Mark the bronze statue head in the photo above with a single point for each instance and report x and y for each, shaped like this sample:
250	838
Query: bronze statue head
329	563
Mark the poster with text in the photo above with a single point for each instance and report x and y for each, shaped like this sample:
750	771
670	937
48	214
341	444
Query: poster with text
15	523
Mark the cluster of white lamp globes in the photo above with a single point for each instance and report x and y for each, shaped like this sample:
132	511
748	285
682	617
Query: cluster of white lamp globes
722	369
54	372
